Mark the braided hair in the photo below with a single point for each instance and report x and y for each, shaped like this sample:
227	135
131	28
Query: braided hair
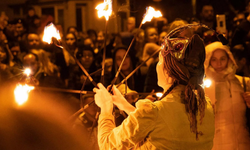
189	72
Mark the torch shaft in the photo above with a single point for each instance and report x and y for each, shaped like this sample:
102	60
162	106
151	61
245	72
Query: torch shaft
64	90
85	72
138	67
80	65
104	53
124	57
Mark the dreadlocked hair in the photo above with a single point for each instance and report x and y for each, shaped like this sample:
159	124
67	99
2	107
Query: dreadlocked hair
193	103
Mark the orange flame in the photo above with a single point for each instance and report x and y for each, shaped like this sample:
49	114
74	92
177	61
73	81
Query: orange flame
150	14
104	9
27	71
159	94
49	32
207	83
22	93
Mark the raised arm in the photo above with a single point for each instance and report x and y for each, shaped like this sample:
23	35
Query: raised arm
132	130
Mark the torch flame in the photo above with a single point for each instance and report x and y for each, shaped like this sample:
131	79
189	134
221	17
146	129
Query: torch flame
159	94
207	83
104	9
49	32
27	71
150	14
22	93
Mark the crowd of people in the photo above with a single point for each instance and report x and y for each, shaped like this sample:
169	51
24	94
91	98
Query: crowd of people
228	67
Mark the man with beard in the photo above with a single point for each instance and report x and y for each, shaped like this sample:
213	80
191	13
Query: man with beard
207	18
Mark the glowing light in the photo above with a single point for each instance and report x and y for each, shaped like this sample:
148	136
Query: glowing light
49	32
207	83
22	93
150	14
104	9
27	71
159	94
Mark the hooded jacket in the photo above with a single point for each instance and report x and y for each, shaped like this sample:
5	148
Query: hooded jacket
226	91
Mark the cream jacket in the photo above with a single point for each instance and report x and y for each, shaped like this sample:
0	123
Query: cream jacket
225	93
160	125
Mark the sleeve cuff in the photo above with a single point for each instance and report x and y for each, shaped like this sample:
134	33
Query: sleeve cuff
106	116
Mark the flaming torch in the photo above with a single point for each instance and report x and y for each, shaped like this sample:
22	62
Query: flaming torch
207	83
27	71
50	32
104	9
149	15
22	93
158	94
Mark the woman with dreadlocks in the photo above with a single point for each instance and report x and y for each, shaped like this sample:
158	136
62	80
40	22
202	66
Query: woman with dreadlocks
183	119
